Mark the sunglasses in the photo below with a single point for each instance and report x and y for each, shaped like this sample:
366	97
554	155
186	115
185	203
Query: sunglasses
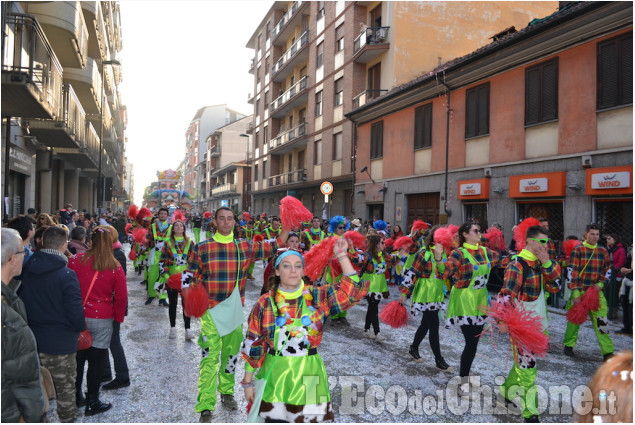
540	241
475	231
341	227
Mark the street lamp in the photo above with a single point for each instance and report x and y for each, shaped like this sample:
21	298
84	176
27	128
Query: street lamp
100	179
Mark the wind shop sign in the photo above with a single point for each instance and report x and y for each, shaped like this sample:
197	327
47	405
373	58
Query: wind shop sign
473	189
609	181
538	185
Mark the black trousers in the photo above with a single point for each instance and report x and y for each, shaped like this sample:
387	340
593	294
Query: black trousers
118	356
173	297
628	313
470	333
96	358
429	322
372	314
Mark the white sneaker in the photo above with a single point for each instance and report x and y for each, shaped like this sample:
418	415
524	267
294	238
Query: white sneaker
172	333
189	335
368	334
379	337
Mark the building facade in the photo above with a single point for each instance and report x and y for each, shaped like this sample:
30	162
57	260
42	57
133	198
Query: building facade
63	128
316	61
537	123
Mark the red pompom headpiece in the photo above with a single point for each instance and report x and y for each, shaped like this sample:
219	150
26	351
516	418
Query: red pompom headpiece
293	213
133	210
403	242
246	216
359	241
318	257
567	247
390	243
495	239
454	229
143	214
207	215
419	225
444	237
178	215
520	232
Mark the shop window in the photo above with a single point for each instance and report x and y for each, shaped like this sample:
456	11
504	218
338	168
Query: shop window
476	212
552	211
615	216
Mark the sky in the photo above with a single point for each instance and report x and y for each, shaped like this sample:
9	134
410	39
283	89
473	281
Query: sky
177	57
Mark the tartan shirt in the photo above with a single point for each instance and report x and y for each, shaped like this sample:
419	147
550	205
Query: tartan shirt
598	264
327	300
215	265
420	268
529	290
459	268
359	260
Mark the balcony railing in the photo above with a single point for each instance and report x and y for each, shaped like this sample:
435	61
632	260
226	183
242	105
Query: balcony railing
289	54
289	94
291	177
225	188
286	18
372	35
74	114
252	65
28	59
288	136
366	96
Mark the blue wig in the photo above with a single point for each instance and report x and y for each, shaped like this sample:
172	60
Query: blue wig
337	221
380	225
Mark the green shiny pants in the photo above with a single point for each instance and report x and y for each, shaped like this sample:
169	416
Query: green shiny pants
600	323
197	234
153	277
520	381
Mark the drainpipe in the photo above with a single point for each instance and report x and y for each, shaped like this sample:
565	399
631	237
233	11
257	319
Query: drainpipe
354	165
447	148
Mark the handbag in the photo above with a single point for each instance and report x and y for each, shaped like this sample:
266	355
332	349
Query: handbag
228	314
85	340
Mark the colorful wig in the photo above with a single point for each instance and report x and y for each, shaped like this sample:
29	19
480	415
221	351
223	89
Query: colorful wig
337	221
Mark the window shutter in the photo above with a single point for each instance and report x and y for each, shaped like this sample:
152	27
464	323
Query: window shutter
627	69
549	91
427	125
532	96
483	110
470	113
419	127
607	75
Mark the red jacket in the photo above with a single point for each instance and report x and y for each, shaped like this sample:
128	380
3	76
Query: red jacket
109	284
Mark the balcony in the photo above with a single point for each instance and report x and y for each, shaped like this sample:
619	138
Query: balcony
297	54
288	140
224	189
97	38
295	96
214	151
251	98
286	26
65	28
87	84
291	177
31	73
252	66
371	43
366	96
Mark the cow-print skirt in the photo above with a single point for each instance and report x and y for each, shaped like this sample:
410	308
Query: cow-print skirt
466	320
281	411
421	307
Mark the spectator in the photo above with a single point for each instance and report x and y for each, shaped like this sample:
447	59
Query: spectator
56	217
32	212
24	226
77	244
73	221
120	226
626	294
65	215
51	295
23	399
44	220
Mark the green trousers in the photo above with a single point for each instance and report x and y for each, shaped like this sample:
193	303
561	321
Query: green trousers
521	381
153	276
600	323
211	377
197	234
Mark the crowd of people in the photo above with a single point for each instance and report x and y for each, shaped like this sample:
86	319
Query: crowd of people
65	273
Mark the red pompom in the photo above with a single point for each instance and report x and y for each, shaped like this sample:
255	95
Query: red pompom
318	257
293	213
336	268
174	281
419	225
247	217
144	213
520	232
394	315
132	255
579	312
524	326
403	242
567	247
128	227
444	237
390	243
495	239
259	238
139	235
359	241
454	229
133	210
207	215
196	300
178	215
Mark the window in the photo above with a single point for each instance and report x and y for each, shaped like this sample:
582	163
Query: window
339	38
541	92
257	107
264	169
318	103
615	72
374	81
317	152
320	9
258	75
256	172
337	146
268	30
320	54
339	92
256	139
377	140
423	126
477	111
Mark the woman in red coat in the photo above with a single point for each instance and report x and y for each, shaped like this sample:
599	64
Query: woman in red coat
98	265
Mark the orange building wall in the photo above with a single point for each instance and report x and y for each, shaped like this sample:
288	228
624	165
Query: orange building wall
457	132
399	144
363	151
507	117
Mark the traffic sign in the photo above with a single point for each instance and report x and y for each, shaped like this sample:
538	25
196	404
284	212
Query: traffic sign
326	188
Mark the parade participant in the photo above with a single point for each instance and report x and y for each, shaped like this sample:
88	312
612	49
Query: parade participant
425	289
285	329
220	264
159	234
589	263
293	242
374	263
314	235
527	278
469	267
174	260
209	227
197	223
273	231
338	225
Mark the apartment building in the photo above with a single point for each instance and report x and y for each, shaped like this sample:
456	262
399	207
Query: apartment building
205	121
316	61
63	115
228	179
538	122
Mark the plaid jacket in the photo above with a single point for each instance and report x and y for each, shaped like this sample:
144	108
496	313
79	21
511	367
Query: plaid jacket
598	264
459	268
216	265
420	268
326	299
529	290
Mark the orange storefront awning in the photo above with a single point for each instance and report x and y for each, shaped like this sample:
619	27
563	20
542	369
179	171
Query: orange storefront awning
473	189
610	180
538	185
